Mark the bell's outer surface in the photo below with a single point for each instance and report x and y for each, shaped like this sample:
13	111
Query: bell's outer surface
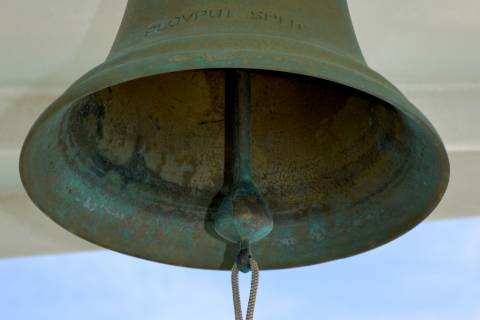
306	37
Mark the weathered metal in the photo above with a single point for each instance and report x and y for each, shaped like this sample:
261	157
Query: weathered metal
240	213
132	155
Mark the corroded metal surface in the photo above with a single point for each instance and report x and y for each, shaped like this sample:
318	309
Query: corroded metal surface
132	155
239	212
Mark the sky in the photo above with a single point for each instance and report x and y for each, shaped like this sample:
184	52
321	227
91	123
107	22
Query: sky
432	273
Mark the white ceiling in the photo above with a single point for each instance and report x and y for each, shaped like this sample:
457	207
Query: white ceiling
429	48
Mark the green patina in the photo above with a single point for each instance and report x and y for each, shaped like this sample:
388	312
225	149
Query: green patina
140	155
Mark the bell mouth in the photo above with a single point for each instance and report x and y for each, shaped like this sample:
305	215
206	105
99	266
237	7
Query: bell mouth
314	142
136	168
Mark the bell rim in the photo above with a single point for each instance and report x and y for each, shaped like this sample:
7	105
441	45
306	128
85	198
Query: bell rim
327	64
370	82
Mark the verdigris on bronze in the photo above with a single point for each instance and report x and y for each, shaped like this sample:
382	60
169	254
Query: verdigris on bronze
135	156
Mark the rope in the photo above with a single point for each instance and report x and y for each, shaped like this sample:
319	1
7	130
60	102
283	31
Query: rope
237	304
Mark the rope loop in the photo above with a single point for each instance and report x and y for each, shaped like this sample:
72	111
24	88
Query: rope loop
253	290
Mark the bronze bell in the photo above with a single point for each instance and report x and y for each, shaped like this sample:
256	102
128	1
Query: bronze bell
217	122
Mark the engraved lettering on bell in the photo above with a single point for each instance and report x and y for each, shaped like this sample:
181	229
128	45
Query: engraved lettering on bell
188	18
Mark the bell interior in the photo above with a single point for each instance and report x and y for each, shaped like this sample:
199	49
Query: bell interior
315	143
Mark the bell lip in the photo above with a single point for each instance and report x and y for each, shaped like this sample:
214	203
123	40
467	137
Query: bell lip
152	59
328	65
